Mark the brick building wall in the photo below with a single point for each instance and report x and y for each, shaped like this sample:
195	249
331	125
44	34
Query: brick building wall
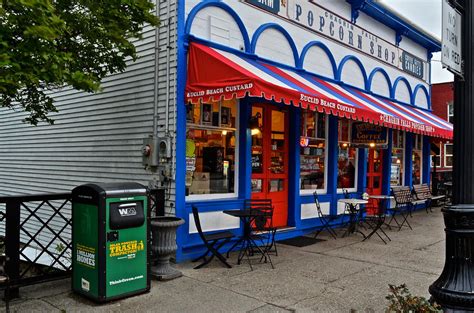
442	96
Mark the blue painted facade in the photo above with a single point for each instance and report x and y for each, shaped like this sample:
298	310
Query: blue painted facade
190	245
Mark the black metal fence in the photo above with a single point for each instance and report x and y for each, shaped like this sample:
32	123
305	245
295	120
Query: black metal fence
36	232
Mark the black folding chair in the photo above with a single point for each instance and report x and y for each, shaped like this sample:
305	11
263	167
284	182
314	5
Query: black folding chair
213	242
375	219
262	227
325	219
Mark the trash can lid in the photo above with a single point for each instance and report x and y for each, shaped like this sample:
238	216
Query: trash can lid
111	189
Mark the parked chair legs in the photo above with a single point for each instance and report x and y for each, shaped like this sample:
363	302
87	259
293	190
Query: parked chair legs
325	219
326	226
213	243
214	251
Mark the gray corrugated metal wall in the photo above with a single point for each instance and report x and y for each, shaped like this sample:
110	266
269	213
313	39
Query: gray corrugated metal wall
96	137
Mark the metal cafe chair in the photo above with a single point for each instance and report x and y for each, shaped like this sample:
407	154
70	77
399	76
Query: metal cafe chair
213	242
325	219
375	219
404	205
347	208
262	227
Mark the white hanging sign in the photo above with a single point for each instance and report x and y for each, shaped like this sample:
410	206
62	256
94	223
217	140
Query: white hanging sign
451	56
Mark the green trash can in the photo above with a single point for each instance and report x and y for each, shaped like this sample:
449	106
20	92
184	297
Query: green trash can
110	241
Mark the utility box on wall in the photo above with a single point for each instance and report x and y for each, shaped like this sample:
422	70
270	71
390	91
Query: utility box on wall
110	241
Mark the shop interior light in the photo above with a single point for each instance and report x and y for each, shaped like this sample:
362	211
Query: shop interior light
371	144
254	124
224	133
344	145
398	161
254	131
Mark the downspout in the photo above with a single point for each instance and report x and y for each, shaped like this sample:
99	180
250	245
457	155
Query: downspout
173	160
168	41
155	91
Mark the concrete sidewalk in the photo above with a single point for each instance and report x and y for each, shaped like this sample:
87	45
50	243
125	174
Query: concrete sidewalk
329	276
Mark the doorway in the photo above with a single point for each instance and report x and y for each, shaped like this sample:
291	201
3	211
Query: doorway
374	176
270	159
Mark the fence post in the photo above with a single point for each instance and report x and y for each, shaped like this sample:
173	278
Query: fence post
12	244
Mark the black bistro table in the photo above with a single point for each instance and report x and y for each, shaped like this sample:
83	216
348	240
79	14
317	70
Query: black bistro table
354	216
246	241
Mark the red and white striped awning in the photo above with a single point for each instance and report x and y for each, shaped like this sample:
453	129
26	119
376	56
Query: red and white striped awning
215	74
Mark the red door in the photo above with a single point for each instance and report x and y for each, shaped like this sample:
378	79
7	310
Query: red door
270	160
374	176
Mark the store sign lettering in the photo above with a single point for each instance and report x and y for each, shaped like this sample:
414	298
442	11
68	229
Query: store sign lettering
312	16
272	6
219	91
412	65
308	14
406	123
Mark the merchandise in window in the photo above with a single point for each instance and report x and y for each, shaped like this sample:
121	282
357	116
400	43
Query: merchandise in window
347	157
398	156
211	148
417	160
312	151
448	155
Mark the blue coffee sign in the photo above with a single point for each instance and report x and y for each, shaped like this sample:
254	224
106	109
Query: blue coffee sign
272	6
412	65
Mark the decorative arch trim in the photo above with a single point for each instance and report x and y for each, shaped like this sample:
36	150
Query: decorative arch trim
358	62
263	28
415	93
226	8
325	49
372	75
395	85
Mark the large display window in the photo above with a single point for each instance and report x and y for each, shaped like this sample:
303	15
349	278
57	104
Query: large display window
313	152
211	149
347	158
398	157
417	160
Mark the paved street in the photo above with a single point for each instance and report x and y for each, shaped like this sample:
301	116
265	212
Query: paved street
329	276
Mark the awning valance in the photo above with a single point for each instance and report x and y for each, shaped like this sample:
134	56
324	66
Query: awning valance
214	74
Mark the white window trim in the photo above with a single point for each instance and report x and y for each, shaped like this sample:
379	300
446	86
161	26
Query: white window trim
450	103
432	157
323	191
404	159
433	162
446	155
235	194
